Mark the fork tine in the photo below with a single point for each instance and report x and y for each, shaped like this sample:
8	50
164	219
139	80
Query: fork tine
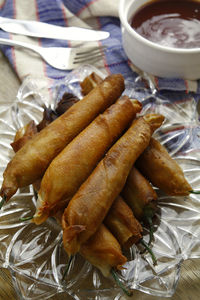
88	58
89	51
92	60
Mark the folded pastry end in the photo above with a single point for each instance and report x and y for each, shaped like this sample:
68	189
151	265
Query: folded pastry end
70	238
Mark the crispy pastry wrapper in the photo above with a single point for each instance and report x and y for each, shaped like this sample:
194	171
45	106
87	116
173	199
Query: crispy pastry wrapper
90	204
138	193
103	251
162	170
74	164
123	224
90	82
23	135
120	219
31	161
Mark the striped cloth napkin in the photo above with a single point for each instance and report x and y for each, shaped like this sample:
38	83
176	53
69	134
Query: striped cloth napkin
96	14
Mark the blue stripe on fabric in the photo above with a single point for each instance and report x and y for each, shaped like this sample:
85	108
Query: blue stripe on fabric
115	57
75	6
8	11
176	84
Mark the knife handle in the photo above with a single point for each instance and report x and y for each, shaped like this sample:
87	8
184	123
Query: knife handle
46	30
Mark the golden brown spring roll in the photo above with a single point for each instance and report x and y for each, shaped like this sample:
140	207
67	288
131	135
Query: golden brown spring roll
138	193
74	164
103	251
123	224
90	204
90	82
23	135
120	219
31	161
162	170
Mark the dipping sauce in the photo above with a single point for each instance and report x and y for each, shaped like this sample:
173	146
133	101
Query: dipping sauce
172	23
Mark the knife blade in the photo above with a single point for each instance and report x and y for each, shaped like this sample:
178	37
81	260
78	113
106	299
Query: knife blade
45	30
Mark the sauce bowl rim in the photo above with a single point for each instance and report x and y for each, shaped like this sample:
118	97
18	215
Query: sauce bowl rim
125	23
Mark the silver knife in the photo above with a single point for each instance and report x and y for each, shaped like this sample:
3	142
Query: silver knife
45	30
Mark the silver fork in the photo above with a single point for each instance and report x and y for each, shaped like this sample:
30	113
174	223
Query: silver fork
60	57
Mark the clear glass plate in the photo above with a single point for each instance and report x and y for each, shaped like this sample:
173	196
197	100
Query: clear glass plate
35	255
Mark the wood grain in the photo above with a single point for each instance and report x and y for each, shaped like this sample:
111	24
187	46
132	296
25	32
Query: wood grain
189	284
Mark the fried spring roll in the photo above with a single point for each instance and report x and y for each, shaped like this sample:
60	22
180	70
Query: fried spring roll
90	204
103	251
77	160
120	219
139	193
23	135
122	223
162	170
31	161
90	82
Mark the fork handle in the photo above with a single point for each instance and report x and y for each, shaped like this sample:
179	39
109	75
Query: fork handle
19	44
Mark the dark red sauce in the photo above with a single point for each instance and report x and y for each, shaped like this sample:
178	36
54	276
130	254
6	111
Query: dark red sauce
172	23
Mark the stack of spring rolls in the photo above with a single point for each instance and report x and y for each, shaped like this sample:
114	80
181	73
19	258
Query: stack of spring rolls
93	168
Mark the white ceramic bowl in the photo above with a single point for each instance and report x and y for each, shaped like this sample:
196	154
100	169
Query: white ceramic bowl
153	58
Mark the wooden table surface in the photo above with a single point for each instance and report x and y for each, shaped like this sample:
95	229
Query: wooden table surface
189	284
